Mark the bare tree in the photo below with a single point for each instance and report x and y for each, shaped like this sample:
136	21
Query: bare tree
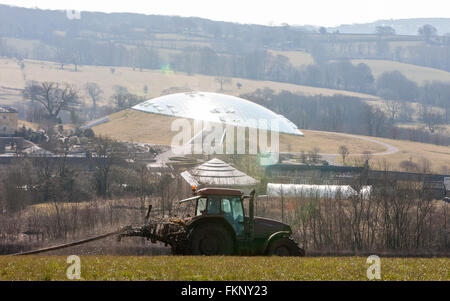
406	111
123	99
433	120
62	56
52	96
367	156
409	165
427	31
94	91
393	106
377	120
343	150
167	193
314	155
384	30
105	152
424	165
222	81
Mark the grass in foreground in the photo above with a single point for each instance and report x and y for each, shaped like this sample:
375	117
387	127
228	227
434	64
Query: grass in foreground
221	268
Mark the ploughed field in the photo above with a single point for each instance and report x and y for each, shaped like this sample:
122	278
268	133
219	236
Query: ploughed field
221	268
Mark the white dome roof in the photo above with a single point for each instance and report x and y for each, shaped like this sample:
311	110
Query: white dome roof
215	107
217	173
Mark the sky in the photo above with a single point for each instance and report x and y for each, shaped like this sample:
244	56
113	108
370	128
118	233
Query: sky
327	13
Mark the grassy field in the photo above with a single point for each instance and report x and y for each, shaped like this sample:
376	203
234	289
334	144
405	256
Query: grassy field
439	156
12	76
442	129
132	125
415	73
221	268
297	58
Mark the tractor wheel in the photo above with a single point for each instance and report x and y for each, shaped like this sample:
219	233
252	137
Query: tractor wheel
285	247
211	239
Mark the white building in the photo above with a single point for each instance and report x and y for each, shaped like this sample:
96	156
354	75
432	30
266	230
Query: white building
9	119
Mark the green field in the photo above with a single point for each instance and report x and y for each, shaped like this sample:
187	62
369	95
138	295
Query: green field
221	268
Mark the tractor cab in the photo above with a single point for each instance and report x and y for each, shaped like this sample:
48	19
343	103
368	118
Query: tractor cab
227	203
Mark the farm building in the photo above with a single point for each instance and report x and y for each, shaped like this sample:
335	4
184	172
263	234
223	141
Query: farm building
318	191
217	173
8	121
434	186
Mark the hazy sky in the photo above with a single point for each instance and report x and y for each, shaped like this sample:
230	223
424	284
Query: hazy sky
299	12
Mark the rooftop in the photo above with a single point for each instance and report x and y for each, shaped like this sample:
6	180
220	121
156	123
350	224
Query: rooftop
215	172
6	109
218	108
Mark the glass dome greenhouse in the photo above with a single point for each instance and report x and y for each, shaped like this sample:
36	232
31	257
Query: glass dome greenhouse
217	108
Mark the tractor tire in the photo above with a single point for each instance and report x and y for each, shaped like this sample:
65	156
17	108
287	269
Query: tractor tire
211	239
284	247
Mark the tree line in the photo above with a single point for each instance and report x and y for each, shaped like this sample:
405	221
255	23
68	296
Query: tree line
52	103
339	113
394	219
108	169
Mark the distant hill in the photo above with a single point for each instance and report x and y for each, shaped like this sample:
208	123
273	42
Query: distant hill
401	26
136	29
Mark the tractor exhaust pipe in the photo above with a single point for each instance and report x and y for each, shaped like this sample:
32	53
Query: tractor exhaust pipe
148	212
252	214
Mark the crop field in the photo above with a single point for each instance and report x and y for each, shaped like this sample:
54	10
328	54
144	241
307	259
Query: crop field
222	268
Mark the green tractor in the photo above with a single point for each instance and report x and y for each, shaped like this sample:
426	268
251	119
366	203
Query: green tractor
220	227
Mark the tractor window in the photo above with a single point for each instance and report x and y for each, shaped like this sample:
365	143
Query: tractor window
201	206
226	209
213	206
238	210
234	213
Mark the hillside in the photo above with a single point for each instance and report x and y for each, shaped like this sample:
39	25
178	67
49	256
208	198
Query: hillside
131	125
401	26
157	81
13	78
132	29
418	74
415	73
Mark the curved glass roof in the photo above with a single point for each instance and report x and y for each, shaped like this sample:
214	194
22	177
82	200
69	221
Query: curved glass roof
220	108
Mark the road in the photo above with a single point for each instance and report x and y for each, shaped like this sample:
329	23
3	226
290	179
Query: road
331	158
164	157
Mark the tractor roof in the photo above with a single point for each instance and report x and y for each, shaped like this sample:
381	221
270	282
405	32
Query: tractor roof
219	191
